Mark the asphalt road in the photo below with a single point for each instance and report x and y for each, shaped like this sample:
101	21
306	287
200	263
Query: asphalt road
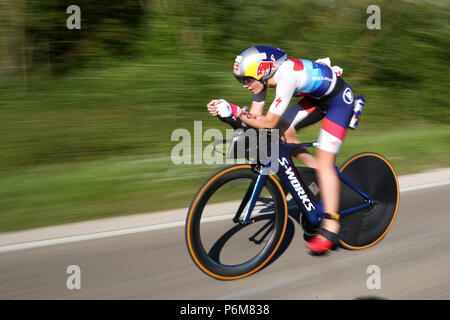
413	261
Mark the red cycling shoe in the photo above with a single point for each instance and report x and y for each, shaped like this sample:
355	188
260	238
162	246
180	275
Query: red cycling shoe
324	243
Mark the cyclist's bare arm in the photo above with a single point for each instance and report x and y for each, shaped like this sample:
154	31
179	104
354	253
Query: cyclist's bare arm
284	92
257	106
269	121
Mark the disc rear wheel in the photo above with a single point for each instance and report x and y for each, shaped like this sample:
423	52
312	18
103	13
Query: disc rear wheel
375	176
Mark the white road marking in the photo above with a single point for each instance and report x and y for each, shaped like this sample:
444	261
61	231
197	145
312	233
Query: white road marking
102	235
424	186
161	226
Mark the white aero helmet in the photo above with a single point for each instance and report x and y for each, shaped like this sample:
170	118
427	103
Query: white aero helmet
259	62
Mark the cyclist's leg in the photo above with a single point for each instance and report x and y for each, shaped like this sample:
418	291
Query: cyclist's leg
298	116
329	186
338	116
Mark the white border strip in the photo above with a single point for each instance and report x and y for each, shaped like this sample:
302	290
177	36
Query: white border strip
100	235
425	186
89	236
161	226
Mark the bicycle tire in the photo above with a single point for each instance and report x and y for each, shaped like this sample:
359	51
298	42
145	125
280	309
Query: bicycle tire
210	262
374	175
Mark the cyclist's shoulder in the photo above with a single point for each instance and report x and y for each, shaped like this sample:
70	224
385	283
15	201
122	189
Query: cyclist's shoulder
290	70
297	64
286	68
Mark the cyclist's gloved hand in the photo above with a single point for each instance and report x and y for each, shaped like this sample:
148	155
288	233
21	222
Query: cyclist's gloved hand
226	109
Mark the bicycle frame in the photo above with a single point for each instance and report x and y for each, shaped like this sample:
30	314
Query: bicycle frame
291	178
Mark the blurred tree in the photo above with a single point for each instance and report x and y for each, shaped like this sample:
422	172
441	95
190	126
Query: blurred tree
37	30
13	40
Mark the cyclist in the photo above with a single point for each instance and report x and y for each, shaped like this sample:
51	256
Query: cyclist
325	95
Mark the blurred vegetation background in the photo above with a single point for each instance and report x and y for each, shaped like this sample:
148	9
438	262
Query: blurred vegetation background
86	116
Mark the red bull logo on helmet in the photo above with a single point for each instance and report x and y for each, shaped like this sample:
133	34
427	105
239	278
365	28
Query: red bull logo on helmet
263	68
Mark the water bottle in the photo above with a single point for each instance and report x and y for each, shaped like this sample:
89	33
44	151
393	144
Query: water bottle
359	105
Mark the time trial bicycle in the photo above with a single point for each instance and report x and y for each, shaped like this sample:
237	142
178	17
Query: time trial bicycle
238	218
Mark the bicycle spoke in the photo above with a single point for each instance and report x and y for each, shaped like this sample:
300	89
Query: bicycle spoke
244	201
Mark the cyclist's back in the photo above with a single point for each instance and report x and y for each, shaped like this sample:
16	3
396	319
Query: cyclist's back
298	78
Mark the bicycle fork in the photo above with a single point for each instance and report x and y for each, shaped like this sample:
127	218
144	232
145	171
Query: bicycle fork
250	198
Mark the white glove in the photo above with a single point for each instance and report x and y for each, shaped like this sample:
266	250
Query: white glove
224	109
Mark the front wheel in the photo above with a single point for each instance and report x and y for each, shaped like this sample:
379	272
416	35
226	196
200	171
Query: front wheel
218	243
375	176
